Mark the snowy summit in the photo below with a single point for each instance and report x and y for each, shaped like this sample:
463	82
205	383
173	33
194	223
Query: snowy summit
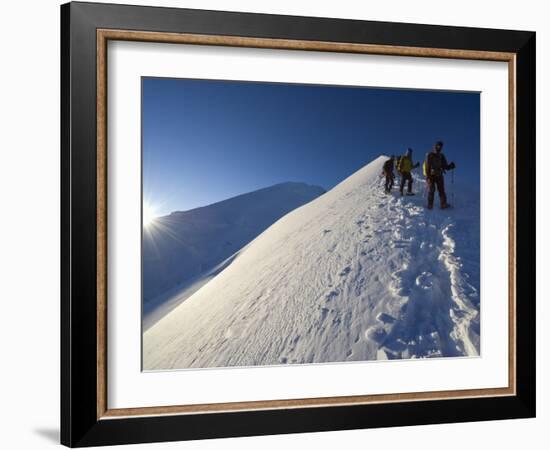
353	275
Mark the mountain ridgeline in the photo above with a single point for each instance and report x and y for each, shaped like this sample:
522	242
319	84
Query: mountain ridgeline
184	245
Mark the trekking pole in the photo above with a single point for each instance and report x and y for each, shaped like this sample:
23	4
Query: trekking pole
453	189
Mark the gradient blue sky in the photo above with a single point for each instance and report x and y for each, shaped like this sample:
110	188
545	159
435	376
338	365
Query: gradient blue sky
205	141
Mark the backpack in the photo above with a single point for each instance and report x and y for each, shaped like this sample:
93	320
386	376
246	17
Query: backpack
435	161
405	164
398	162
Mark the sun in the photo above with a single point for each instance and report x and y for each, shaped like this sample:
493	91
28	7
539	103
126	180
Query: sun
148	214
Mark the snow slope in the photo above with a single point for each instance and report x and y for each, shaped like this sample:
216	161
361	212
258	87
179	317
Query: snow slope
353	275
184	248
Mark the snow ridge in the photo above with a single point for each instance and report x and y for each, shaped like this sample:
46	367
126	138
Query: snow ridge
353	275
186	245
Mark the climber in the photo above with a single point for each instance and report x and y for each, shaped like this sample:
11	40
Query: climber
435	167
387	171
404	168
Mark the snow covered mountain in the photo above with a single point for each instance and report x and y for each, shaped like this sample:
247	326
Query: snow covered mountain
353	275
183	247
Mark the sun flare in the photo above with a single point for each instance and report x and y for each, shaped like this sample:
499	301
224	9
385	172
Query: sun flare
148	214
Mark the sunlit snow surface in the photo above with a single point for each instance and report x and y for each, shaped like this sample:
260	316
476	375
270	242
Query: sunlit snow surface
185	249
353	275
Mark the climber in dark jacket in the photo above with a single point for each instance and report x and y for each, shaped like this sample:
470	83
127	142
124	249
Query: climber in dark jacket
435	167
387	170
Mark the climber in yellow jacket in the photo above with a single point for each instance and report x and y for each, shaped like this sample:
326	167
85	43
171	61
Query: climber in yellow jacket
404	167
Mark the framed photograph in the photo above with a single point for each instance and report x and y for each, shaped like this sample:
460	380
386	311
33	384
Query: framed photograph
276	224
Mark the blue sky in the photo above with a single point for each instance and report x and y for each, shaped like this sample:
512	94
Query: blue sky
205	141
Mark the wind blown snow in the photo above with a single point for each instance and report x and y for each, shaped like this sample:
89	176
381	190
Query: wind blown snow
184	250
353	275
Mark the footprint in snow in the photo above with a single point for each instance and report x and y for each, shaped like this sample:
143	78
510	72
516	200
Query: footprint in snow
400	244
398	286
425	280
385	318
376	334
345	271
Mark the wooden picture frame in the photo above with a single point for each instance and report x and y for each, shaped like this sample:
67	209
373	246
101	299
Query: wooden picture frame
86	418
